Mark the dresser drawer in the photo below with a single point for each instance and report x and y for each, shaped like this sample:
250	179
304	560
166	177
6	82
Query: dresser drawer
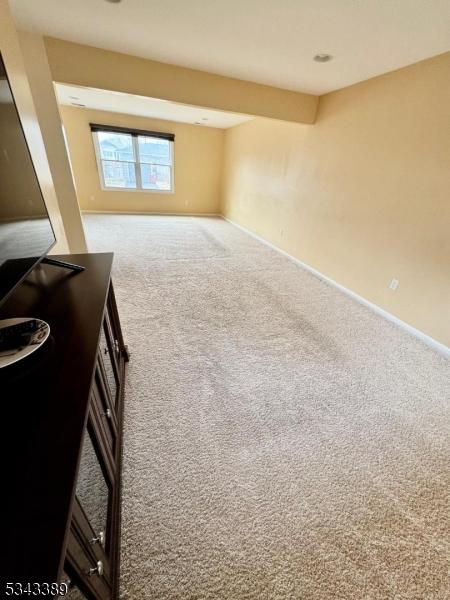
90	576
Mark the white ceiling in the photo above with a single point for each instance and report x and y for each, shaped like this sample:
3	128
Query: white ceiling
72	95
267	41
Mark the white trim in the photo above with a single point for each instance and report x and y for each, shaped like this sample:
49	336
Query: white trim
136	190
429	341
150	214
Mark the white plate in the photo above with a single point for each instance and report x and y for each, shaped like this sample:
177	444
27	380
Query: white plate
11	356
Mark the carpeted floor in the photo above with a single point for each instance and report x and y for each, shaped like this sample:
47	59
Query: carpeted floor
281	441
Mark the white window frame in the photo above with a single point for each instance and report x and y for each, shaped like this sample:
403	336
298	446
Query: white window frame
137	163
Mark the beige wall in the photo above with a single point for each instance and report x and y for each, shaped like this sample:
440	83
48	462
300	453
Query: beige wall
198	153
46	105
92	67
364	194
13	58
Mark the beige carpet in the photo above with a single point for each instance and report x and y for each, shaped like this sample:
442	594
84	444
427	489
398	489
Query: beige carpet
281	441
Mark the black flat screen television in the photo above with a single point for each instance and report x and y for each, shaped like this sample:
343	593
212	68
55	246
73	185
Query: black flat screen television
26	233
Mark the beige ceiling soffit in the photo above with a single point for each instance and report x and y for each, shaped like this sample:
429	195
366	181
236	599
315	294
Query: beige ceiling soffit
93	67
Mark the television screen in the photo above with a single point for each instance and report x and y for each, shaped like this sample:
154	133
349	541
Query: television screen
26	233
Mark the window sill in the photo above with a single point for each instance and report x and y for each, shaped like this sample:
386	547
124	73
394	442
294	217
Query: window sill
134	190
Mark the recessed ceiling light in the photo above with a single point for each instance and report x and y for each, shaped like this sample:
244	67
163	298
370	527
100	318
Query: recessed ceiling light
73	97
322	58
204	119
114	1
197	123
78	104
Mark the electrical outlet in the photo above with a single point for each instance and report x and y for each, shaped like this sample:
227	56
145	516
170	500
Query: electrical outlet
394	284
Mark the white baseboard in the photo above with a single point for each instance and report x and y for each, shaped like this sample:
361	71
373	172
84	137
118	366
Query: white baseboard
429	341
155	214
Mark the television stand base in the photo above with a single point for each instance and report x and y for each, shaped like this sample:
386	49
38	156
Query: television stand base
60	263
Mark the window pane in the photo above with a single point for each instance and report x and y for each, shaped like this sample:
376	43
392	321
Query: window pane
155	177
154	150
119	174
115	146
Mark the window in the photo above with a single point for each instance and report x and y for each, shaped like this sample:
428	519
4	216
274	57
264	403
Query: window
131	159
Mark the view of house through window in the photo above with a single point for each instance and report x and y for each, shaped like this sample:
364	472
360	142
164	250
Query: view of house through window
134	160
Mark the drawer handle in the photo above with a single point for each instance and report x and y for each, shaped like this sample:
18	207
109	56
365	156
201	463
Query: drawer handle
68	583
100	539
96	570
107	413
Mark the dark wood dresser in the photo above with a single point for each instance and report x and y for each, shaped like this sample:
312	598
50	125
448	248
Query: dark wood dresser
61	435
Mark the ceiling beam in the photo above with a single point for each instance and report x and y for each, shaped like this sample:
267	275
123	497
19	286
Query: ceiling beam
87	66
